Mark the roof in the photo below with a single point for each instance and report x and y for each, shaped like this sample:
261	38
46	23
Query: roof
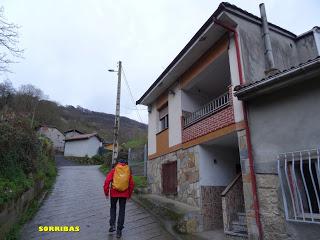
73	130
83	137
278	80
224	6
47	126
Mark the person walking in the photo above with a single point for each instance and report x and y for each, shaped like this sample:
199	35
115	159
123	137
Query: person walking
122	184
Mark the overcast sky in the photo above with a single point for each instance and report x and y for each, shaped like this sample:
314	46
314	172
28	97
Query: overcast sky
70	44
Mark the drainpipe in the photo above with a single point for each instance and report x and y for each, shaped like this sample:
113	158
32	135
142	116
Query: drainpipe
250	156
267	42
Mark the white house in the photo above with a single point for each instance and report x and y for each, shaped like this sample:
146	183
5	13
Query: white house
82	145
54	135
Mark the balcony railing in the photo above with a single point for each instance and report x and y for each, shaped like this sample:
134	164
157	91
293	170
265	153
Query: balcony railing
208	109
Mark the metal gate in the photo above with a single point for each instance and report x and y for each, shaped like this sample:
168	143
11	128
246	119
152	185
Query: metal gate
169	178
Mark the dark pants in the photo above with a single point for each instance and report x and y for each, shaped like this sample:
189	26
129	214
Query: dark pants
113	211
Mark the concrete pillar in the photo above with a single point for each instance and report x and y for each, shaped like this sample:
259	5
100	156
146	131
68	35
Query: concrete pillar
253	232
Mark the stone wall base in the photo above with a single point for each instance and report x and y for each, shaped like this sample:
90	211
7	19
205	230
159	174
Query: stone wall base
12	211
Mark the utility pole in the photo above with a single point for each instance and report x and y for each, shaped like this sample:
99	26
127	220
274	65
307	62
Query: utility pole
115	147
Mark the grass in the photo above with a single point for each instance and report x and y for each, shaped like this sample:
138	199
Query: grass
104	169
135	143
49	179
10	189
140	181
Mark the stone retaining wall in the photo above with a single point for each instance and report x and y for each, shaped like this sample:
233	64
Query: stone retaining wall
12	211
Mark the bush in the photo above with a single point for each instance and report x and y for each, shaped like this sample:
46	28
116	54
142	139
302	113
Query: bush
19	149
24	158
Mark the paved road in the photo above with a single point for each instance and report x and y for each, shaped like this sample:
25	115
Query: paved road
77	199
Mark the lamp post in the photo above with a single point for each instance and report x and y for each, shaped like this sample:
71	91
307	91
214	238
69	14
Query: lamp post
115	147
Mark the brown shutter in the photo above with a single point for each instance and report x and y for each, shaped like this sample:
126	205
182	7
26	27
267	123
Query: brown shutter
169	178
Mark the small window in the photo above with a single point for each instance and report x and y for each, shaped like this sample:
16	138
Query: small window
164	123
163	118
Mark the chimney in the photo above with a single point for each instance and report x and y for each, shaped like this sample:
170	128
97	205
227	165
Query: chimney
270	68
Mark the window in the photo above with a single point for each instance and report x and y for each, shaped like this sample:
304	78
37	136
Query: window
299	175
164	123
163	118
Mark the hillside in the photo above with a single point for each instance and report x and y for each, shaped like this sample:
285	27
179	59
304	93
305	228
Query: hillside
69	117
31	103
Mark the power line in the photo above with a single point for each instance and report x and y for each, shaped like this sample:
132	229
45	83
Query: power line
131	96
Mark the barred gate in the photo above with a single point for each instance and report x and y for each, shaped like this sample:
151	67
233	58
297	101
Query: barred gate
299	175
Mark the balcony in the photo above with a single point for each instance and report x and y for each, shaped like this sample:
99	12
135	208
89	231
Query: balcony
210	108
214	115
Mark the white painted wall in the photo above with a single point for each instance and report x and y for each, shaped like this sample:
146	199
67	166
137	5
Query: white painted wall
55	136
191	102
220	173
81	148
153	119
175	113
237	105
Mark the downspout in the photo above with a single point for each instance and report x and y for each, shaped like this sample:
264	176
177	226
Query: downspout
250	156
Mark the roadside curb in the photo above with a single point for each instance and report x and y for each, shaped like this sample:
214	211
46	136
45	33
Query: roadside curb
167	224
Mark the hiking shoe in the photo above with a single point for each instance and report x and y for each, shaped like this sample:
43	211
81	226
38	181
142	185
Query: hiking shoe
112	228
119	234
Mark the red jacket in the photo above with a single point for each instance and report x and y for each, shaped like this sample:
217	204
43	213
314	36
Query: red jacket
114	193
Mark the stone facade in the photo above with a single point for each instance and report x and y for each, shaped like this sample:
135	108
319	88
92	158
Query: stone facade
271	215
253	232
188	190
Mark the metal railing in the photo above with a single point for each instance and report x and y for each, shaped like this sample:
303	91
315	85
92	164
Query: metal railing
299	175
232	202
208	109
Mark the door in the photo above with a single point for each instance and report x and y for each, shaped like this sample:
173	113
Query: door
169	178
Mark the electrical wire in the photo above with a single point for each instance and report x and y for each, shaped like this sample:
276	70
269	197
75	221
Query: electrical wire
131	96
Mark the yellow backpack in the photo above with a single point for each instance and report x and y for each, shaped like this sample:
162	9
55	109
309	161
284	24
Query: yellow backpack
121	178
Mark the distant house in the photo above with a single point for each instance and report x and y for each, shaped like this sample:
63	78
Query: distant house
72	132
108	146
82	145
54	135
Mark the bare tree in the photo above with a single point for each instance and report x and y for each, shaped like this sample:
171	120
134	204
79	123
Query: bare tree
6	93
29	97
9	40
